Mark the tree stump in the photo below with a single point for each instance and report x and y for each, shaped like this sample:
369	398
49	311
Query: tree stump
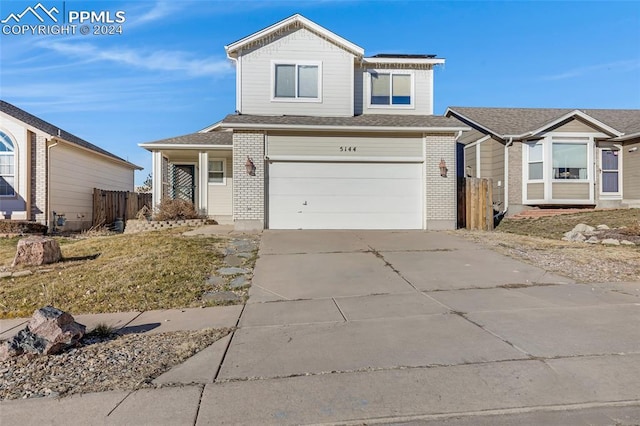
35	251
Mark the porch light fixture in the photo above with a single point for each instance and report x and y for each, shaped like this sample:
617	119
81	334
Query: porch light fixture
443	168
251	168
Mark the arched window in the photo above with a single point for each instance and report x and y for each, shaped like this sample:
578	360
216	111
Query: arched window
7	166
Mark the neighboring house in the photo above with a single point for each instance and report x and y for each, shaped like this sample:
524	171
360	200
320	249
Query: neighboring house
44	169
323	137
554	157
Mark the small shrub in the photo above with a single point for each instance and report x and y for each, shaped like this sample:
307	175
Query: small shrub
176	210
22	227
102	330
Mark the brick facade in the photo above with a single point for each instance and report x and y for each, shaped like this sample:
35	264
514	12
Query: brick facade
515	178
38	171
248	191
441	192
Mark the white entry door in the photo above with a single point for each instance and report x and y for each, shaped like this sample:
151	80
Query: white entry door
321	195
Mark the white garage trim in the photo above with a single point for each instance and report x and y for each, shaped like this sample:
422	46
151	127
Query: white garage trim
345	195
329	158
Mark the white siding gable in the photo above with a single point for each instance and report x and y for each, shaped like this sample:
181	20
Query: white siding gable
255	76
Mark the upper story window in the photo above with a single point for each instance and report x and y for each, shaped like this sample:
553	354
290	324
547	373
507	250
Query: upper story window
391	88
7	166
297	81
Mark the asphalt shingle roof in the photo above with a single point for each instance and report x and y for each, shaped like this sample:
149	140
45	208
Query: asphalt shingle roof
370	120
515	121
52	130
209	138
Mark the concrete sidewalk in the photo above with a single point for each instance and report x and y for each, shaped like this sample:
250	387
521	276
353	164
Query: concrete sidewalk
387	328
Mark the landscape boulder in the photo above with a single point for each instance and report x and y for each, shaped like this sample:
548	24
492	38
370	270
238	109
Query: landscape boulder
49	331
36	251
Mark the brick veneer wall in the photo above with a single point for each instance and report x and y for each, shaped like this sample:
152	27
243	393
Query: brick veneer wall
515	178
441	192
248	191
38	182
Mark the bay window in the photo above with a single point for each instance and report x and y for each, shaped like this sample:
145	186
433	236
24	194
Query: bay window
569	160
536	163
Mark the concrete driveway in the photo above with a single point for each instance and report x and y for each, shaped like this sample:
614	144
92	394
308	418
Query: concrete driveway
398	327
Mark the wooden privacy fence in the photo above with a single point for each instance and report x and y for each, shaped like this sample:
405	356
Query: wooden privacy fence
111	205
475	203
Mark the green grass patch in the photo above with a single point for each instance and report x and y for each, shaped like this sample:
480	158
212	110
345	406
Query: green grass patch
554	227
116	273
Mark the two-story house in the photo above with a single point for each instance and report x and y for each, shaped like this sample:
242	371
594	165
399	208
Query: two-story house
323	137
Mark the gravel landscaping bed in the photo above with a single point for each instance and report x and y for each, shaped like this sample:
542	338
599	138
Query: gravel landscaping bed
585	263
103	363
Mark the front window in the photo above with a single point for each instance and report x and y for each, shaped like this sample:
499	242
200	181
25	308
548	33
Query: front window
297	81
535	161
216	172
569	161
7	166
391	88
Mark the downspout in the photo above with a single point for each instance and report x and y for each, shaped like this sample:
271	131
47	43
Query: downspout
48	181
506	175
238	67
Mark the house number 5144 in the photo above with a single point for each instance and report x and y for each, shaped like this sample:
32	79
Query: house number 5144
348	149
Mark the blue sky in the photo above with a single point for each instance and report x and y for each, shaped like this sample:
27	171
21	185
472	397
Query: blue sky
167	73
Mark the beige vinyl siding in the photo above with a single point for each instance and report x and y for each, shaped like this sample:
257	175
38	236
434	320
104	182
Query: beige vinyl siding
358	90
492	158
535	191
256	76
574	126
570	191
470	161
220	197
422	95
631	171
73	175
470	136
329	145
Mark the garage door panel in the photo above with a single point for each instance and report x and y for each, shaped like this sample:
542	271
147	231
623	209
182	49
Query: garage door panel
340	221
357	205
345	195
332	186
342	170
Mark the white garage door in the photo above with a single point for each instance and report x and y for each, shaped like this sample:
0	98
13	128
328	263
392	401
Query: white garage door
319	195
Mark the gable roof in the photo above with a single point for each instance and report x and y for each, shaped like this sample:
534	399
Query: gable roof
55	131
518	122
295	21
192	140
370	122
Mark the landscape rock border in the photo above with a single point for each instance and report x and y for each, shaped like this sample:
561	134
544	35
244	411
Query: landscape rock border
601	234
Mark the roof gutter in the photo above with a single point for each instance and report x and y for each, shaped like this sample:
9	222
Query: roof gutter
305	127
154	147
625	137
108	157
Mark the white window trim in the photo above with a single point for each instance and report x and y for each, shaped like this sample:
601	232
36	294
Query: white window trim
543	161
297	63
547	155
224	172
14	154
589	161
411	73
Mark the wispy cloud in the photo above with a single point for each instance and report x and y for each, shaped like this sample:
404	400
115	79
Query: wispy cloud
620	66
161	60
159	11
